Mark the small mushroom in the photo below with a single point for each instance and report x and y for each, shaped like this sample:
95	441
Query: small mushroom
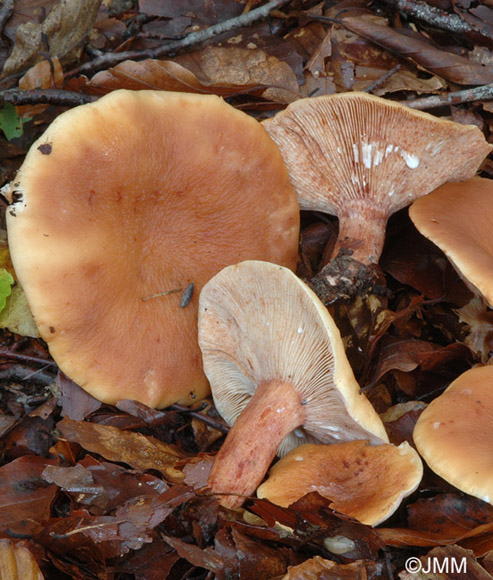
364	482
117	209
458	218
362	158
278	373
454	435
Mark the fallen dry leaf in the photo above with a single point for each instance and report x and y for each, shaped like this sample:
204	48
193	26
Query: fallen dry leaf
217	65
43	75
59	34
219	70
480	539
409	354
135	449
99	484
450	66
25	498
318	568
17	562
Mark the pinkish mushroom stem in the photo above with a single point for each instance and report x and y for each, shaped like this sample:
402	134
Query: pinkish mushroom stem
362	231
272	413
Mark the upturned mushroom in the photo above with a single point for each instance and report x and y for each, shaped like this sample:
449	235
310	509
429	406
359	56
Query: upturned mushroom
362	158
362	481
122	204
454	435
278	373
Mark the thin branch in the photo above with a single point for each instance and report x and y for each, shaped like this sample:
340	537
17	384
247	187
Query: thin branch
5	12
483	93
218	424
108	60
48	96
435	17
383	79
12	354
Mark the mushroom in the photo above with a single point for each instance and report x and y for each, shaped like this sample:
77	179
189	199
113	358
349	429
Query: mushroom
117	209
362	158
454	436
458	218
278	373
364	482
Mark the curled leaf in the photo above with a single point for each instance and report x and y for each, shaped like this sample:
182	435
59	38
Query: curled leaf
135	449
450	66
218	70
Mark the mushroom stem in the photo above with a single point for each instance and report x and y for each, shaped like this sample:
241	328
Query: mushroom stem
272	413
361	234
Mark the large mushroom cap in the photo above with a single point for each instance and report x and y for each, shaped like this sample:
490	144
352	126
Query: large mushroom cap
454	435
138	194
364	482
458	218
349	146
362	157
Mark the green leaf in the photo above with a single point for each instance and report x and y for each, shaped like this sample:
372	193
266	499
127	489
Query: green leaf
10	123
6	281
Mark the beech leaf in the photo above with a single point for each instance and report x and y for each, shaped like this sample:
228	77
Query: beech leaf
63	30
135	449
17	562
450	66
217	70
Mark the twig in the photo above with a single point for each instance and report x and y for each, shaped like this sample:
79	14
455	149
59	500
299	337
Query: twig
381	80
218	424
49	96
20	373
12	354
435	17
483	93
112	59
5	12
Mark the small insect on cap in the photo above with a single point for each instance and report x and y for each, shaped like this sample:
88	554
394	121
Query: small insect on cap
121	202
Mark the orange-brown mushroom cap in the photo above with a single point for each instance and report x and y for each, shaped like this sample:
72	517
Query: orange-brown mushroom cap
135	195
362	158
454	435
364	482
458	218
